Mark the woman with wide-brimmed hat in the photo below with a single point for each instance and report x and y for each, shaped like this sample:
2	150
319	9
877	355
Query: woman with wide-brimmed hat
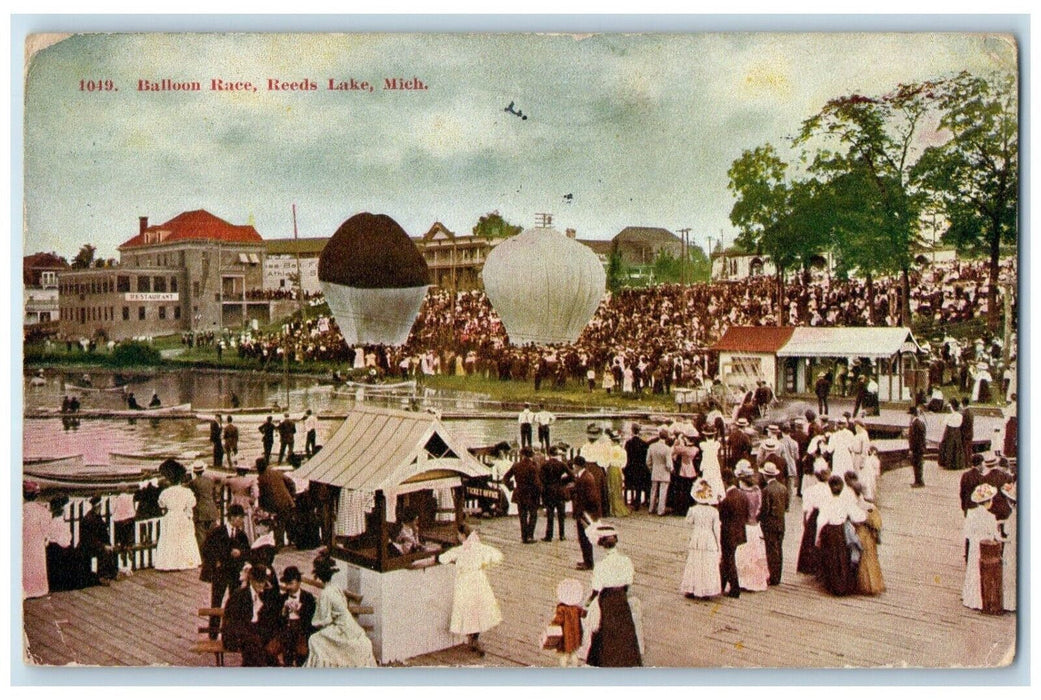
980	524
701	574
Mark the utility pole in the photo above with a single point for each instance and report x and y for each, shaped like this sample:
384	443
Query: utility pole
686	254
543	219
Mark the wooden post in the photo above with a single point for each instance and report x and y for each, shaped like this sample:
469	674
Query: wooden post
381	544
458	496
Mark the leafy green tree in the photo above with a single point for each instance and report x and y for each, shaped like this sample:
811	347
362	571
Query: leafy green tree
974	176
865	153
774	214
494	226
85	257
666	267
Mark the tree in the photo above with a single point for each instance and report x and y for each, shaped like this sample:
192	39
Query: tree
85	257
773	213
494	226
870	170
616	273
974	176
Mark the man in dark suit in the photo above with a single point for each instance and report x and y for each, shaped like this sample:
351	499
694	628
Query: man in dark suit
916	445
267	436
224	551
555	476
251	619
586	507
217	438
967	431
637	475
96	543
739	443
297	608
524	480
733	516
275	497
286	437
771	520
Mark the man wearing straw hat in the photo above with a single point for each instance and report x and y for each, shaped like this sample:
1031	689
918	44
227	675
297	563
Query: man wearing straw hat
771	520
206	512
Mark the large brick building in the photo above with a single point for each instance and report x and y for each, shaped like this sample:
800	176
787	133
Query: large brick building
193	272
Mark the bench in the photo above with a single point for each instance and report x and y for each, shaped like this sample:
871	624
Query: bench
205	645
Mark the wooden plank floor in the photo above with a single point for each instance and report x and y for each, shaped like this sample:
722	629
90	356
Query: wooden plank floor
149	618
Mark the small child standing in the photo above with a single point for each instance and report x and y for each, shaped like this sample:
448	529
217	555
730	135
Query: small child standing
568	618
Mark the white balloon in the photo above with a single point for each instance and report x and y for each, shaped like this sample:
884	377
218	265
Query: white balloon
544	286
373	316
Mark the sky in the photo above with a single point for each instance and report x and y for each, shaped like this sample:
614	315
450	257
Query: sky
620	130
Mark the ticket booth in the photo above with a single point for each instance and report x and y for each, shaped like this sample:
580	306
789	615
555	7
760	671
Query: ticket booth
380	467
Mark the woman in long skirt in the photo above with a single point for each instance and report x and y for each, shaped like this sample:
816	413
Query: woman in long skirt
685	451
474	607
813	497
36	524
1008	552
837	570
951	454
339	641
710	469
869	572
980	524
701	574
615	640
615	478
177	548
753	571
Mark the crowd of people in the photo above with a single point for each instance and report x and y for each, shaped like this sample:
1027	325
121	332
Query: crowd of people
655	339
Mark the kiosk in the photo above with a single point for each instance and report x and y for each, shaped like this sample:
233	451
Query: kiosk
377	466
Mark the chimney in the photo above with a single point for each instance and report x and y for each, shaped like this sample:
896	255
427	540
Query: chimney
570	233
144	223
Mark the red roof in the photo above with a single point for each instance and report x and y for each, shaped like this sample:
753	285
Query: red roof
198	225
767	339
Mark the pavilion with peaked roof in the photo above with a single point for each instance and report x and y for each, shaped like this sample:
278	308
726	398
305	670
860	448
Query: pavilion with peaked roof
377	466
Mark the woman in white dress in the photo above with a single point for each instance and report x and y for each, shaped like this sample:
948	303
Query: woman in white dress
338	640
474	607
980	524
1008	553
710	470
840	445
869	474
177	548
701	574
753	573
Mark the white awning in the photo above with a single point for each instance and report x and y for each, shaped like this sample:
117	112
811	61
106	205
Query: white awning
243	258
254	258
849	342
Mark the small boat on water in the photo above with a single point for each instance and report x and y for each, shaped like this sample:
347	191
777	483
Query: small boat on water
53	464
139	459
242	410
179	410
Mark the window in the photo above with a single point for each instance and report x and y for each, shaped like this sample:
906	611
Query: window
123	283
173	284
144	283
140	313
126	313
177	312
162	313
159	284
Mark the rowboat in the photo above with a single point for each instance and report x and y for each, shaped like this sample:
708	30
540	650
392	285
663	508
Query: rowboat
142	459
53	465
178	410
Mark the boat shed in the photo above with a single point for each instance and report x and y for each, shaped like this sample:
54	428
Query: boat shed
748	354
380	467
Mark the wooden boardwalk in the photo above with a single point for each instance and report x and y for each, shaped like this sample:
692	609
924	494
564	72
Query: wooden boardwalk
149	618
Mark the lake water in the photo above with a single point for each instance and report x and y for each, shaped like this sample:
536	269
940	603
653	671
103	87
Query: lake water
96	438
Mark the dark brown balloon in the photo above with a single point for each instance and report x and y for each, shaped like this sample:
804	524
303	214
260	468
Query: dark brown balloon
371	251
